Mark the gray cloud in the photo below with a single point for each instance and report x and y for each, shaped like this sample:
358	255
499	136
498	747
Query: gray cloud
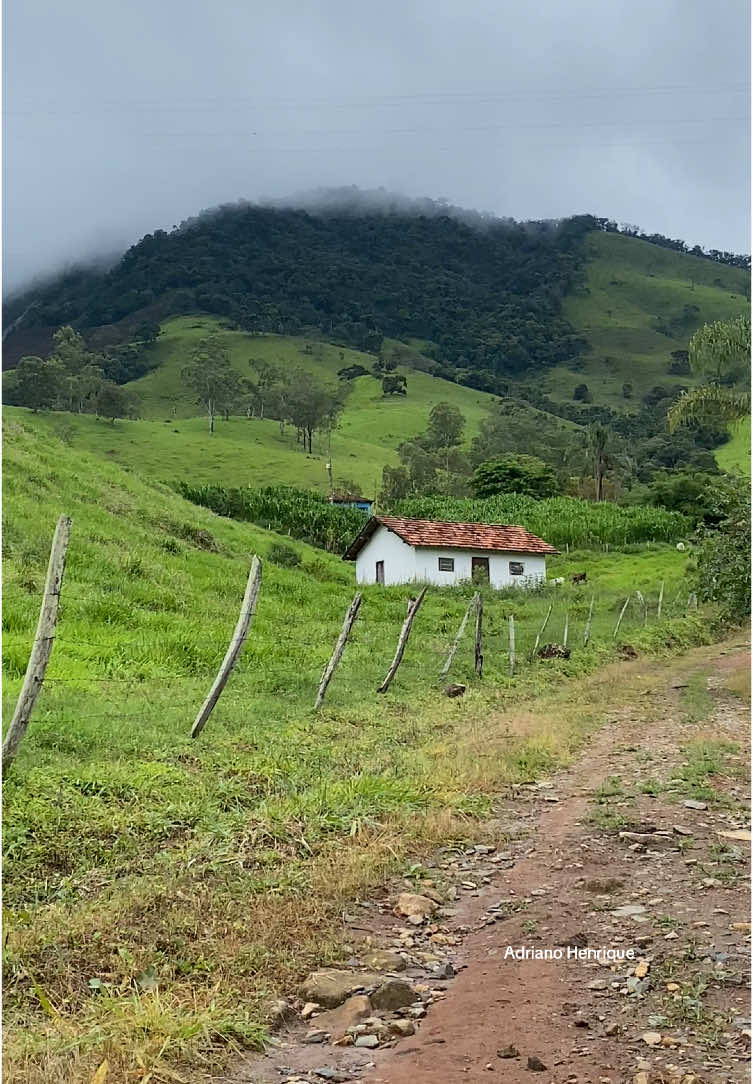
123	118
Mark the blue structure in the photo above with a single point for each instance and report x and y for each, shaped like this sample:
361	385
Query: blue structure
346	501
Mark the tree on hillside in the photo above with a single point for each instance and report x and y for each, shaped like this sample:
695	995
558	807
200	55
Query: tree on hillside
268	376
443	437
37	383
70	349
720	356
114	401
212	378
597	447
445	428
513	427
82	388
394	384
147	332
312	405
525	474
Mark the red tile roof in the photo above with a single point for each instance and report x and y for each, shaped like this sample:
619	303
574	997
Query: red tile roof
465	536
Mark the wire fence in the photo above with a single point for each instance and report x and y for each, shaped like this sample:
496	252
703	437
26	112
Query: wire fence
291	665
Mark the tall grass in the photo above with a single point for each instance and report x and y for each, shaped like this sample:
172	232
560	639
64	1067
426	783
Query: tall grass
560	520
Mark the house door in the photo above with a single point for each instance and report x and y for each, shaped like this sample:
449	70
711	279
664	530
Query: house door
380	572
480	569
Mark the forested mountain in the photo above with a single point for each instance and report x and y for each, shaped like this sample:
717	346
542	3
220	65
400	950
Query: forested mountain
487	296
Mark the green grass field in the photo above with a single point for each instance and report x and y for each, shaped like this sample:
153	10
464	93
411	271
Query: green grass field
154	886
735	454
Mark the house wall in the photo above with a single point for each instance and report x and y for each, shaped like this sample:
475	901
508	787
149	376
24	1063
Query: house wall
408	564
427	566
399	559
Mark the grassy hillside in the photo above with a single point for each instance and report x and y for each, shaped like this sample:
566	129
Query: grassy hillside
735	454
155	887
244	451
631	287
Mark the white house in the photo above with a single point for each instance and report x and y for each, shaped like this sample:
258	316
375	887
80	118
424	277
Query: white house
391	549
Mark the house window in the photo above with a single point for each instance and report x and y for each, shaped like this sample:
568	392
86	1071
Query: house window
446	564
380	572
516	568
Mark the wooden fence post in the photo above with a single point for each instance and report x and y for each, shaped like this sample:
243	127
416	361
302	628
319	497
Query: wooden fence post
644	604
402	641
619	619
566	629
43	640
342	639
456	642
661	599
540	633
478	659
248	608
587	633
511	623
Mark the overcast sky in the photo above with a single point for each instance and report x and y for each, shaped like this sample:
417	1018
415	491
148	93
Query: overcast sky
123	117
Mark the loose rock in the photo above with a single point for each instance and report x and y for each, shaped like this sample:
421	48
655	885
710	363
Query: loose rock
393	994
691	803
536	1064
384	960
337	1022
414	906
402	1027
651	1038
367	1041
330	987
629	910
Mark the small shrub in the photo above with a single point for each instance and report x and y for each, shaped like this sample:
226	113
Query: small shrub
282	555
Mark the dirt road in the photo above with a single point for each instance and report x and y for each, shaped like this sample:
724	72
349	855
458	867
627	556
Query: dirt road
641	848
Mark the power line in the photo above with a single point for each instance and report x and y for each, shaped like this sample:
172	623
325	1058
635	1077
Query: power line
421	98
444	130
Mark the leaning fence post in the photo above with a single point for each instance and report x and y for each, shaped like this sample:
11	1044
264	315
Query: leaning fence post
587	633
43	641
456	642
661	599
342	639
540	633
511	623
565	630
402	641
644	604
248	608
478	656
619	619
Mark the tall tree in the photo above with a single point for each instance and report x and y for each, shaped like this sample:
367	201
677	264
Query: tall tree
312	405
598	453
37	383
525	474
212	378
268	376
70	349
114	401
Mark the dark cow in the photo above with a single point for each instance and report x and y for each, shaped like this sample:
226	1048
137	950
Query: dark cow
579	577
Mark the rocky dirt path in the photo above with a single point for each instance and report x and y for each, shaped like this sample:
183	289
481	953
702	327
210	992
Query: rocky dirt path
641	849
